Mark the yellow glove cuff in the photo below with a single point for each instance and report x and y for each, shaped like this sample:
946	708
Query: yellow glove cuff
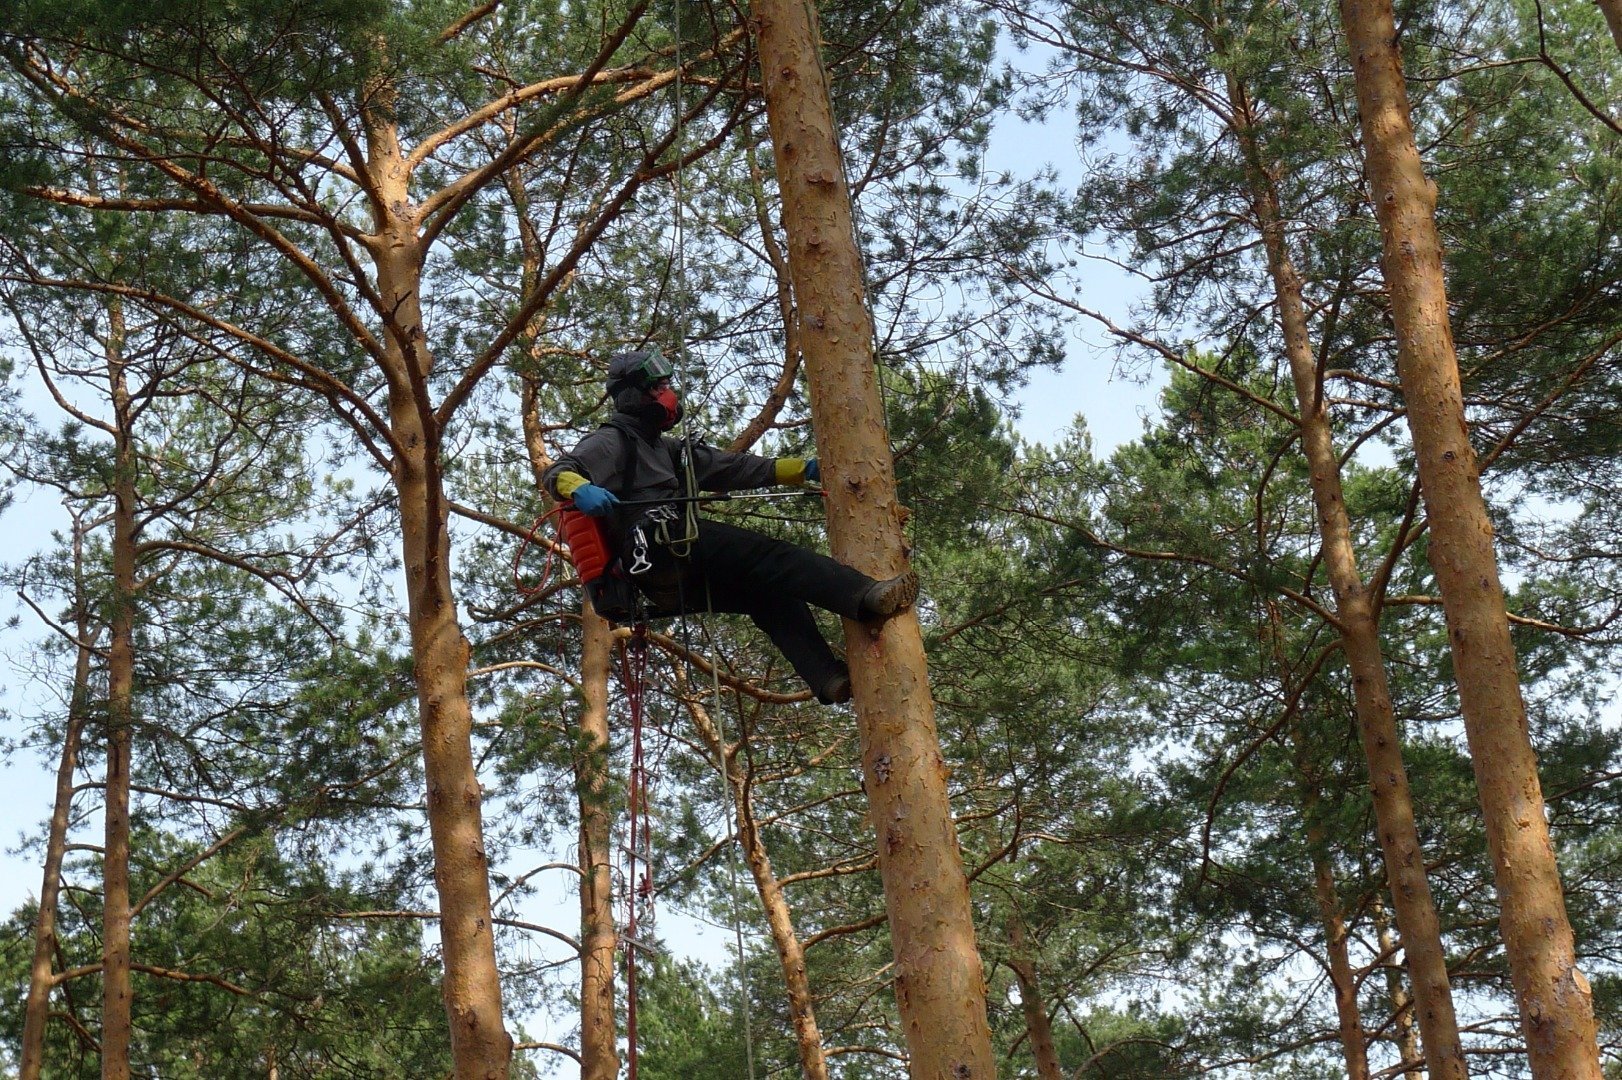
569	482
789	470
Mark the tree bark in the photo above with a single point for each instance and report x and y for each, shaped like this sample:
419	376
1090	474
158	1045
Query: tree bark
599	1058
1342	979
1358	616
1402	1002
115	917
1613	19
1555	1001
1038	1028
480	1046
599	1055
939	982
790	953
36	1011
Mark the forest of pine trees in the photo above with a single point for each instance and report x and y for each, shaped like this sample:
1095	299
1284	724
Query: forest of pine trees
1279	739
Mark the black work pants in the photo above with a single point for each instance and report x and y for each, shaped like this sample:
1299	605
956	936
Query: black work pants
772	581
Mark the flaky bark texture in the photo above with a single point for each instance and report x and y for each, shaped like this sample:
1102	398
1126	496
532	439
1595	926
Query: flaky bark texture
1358	617
116	993
480	1045
1555	1001
599	1059
939	983
36	1011
790	952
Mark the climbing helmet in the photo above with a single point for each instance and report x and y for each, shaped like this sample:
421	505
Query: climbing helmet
641	369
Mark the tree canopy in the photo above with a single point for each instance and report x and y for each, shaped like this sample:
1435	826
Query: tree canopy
298	300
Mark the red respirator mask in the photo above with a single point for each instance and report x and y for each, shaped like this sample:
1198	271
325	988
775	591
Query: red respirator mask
670	403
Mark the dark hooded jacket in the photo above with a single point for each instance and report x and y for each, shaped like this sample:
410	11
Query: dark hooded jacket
632	459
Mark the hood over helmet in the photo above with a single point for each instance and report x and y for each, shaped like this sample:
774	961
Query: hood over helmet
639	382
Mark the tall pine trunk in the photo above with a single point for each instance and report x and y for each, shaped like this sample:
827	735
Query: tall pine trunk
480	1046
1555	1001
1342	979
939	982
599	939
1357	614
41	981
599	1056
116	994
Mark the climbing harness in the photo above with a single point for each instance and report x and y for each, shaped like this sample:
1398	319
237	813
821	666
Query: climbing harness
673	524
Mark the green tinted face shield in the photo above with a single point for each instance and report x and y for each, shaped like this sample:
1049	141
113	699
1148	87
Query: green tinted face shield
656	367
645	368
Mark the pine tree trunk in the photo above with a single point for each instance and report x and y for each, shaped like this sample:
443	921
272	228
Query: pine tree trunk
472	991
1343	981
1038	1028
36	1011
939	983
1555	1001
790	953
480	1046
1613	19
1341	977
116	993
1358	618
598	1054
1402	1002
599	938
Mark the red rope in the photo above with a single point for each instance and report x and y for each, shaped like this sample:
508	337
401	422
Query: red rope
546	567
638	854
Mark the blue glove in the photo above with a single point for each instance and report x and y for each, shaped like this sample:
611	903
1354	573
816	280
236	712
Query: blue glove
813	474
594	500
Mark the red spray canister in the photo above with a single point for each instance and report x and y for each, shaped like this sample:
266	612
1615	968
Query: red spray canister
588	544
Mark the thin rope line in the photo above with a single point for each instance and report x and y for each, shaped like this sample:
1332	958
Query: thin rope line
679	224
733	805
690	518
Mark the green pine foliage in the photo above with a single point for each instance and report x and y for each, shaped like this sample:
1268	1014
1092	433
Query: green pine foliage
1147	724
245	969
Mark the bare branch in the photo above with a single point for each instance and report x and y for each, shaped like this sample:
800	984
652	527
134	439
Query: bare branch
190	864
473	15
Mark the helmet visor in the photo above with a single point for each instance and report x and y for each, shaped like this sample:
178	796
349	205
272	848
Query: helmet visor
653	368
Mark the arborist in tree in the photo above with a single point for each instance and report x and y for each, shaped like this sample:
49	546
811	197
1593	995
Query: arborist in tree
622	473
